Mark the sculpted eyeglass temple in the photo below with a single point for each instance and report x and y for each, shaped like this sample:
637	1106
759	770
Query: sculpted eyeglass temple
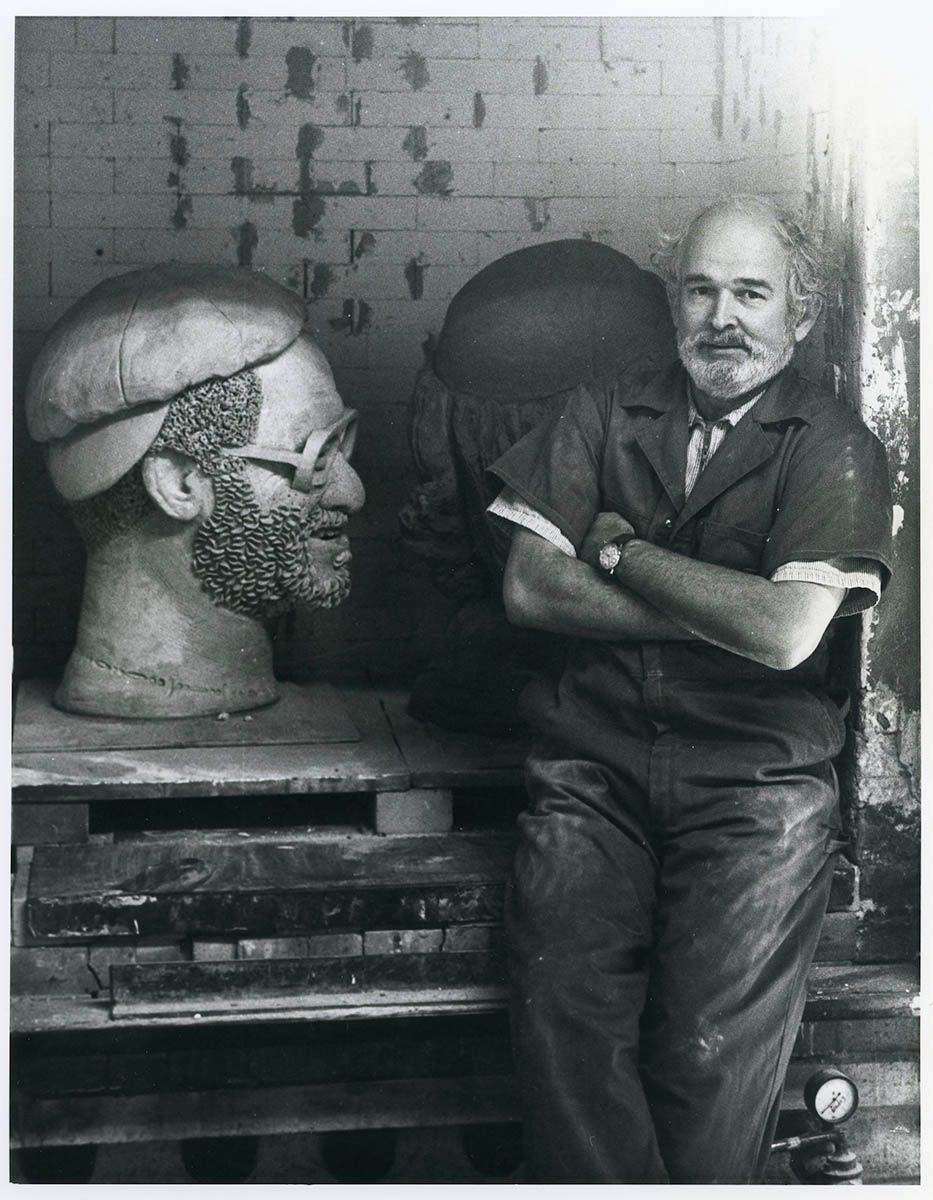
313	462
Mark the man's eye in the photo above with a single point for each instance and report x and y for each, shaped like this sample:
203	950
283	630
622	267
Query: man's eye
750	294
699	289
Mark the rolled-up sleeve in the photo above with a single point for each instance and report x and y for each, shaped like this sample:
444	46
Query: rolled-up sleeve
556	467
835	502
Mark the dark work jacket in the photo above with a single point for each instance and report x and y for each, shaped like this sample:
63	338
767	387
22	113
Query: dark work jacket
800	477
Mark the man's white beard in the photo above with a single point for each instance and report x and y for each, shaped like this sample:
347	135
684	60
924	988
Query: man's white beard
729	378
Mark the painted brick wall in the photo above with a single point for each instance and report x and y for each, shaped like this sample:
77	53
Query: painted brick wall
373	165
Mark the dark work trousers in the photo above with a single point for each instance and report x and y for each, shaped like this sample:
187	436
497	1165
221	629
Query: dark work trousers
667	897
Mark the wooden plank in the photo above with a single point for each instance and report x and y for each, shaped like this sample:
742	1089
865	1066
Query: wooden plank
18	931
835	993
85	1014
49	824
262	983
439	758
861	991
129	889
246	771
316	1108
305	714
373	764
139	1058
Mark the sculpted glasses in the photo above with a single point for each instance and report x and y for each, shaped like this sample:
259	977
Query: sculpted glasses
312	464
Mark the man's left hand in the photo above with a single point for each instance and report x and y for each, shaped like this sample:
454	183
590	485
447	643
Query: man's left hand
606	525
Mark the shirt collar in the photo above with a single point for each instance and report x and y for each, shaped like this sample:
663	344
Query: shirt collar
783	397
695	417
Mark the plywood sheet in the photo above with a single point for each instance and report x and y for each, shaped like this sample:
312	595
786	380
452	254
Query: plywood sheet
371	764
173	988
305	715
439	758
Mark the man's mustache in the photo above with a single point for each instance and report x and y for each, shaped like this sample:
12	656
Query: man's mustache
725	341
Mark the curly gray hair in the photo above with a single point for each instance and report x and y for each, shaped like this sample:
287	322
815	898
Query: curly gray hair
810	266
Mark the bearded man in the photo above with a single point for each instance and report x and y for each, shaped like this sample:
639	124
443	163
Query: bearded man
698	532
200	440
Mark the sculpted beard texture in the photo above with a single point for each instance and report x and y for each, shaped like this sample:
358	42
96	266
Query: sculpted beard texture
263	564
733	375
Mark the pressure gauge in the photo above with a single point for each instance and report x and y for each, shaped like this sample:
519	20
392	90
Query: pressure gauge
830	1096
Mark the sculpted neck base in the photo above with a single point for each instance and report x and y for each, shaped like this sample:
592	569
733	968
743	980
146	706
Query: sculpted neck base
152	644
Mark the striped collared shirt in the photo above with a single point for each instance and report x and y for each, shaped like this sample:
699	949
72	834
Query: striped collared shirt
707	436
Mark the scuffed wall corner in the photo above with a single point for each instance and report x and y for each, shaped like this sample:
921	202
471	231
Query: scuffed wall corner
871	208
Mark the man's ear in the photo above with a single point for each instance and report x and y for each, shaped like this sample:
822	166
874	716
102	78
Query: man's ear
177	485
812	308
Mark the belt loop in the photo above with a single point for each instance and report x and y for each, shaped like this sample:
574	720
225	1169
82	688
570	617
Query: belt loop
651	660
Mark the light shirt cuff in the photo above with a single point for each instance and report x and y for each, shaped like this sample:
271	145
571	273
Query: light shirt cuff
861	577
510	506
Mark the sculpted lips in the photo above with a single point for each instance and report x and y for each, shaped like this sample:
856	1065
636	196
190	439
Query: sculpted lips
328	527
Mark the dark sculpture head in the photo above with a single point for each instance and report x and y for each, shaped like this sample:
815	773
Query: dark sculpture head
517	338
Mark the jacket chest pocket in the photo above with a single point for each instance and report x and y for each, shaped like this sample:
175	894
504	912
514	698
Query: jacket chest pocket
730	546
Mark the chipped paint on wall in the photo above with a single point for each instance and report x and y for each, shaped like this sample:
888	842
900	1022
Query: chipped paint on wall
247	239
364	244
321	278
242	169
180	72
537	211
539	78
242	107
884	383
308	208
299	62
479	110
435	179
414	277
415	69
361	42
182	211
307	212
719	74
244	35
178	143
416	142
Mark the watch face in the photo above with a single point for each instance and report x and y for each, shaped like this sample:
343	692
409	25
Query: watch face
609	556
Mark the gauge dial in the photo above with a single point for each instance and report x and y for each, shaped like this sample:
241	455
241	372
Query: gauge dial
831	1096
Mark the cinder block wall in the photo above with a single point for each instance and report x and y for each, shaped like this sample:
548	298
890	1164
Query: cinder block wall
373	165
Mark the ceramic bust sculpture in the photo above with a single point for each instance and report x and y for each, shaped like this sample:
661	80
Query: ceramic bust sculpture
517	338
199	439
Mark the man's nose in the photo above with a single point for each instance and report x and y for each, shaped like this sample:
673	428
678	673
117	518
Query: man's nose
723	313
344	488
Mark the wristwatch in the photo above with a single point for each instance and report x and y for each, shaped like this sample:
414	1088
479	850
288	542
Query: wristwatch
610	552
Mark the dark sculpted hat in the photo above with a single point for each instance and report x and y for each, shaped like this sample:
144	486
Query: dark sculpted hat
102	382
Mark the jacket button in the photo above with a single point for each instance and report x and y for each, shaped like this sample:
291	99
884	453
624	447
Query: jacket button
668	524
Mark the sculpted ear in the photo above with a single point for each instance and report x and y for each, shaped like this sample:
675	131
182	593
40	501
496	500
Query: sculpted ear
177	485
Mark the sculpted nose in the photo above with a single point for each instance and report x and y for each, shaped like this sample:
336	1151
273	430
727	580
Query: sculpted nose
344	488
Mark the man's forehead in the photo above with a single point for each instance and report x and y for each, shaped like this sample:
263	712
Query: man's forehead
738	245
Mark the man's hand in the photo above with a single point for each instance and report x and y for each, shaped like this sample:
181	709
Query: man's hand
606	525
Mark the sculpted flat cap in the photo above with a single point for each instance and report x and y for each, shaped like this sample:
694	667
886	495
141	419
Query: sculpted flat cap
102	382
